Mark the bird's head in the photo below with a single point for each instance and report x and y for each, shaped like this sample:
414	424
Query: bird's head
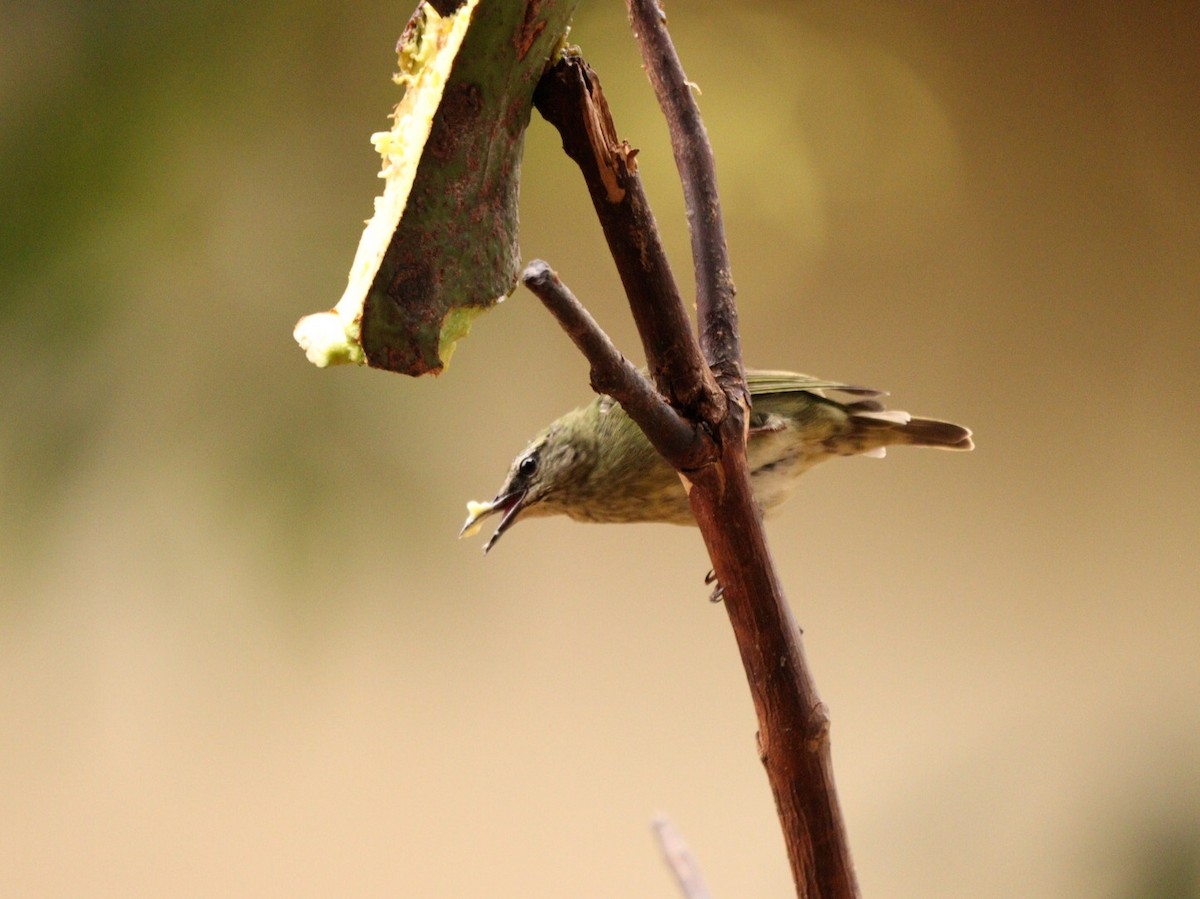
548	477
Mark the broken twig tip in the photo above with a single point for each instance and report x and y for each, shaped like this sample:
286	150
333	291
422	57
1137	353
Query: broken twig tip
537	272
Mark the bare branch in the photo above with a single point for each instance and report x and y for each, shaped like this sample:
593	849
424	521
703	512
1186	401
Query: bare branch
570	98
715	307
674	437
793	723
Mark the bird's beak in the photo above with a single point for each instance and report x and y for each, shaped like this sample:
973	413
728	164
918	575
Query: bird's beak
510	504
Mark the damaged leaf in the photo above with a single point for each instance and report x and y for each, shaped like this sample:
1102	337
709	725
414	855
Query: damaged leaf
441	247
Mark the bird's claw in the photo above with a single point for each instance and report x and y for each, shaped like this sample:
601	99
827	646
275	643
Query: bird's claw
719	593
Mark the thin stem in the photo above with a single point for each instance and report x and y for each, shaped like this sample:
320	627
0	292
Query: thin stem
680	860
611	373
715	306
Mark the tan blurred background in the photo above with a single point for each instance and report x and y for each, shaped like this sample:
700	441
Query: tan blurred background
241	652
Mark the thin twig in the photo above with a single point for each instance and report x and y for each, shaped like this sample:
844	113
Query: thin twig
698	173
680	860
611	373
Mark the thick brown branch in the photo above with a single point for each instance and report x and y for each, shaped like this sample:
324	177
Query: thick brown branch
570	98
793	725
793	733
698	174
674	437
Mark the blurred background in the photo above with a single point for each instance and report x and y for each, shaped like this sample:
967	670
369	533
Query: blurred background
241	652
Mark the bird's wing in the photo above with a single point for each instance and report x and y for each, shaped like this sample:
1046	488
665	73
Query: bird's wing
773	382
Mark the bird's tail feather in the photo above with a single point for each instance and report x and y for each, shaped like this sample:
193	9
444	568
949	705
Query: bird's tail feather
902	428
938	434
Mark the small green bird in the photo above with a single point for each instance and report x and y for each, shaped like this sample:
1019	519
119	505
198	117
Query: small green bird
595	464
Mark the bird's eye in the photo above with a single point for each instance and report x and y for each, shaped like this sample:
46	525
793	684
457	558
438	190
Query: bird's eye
527	466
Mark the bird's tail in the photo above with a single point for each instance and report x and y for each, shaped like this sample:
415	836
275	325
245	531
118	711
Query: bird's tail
875	428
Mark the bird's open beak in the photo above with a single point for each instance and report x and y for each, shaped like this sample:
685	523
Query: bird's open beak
509	504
